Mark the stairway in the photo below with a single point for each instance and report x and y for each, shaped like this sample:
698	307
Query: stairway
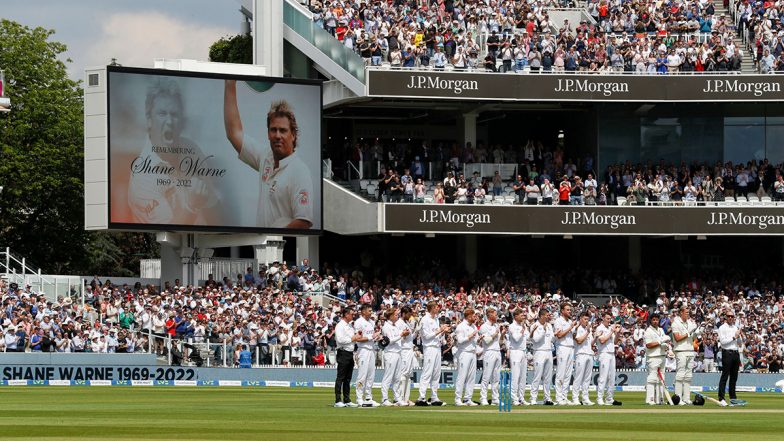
353	186
747	66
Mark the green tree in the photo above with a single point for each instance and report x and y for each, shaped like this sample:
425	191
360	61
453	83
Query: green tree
236	49
41	141
42	168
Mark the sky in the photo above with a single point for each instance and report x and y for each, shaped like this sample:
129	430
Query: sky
135	32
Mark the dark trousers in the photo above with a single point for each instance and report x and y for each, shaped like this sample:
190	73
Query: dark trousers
343	380
730	363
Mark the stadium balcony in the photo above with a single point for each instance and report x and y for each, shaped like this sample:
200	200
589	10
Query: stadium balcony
372	189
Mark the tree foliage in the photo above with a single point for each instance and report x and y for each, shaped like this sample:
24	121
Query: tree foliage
42	164
236	49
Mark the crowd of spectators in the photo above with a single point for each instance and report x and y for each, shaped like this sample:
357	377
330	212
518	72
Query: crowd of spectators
547	176
271	312
760	25
512	36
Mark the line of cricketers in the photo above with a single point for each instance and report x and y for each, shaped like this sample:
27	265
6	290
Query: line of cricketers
399	332
574	340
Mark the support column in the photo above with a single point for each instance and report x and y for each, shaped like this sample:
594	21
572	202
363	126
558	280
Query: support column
471	253
635	254
234	252
268	35
171	265
270	250
469	128
308	248
176	263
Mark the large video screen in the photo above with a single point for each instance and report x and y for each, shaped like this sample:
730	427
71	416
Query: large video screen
204	152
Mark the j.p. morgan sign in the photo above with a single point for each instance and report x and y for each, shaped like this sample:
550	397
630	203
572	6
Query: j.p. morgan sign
575	87
488	219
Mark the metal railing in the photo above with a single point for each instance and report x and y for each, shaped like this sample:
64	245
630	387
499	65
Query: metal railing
217	267
17	269
352	171
326	165
507	171
301	22
526	70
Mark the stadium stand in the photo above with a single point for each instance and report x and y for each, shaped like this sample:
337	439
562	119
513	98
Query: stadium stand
274	313
520	36
505	180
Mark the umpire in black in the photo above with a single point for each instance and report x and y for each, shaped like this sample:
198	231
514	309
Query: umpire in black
345	336
730	339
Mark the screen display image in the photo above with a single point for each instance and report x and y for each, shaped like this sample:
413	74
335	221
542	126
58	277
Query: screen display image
205	152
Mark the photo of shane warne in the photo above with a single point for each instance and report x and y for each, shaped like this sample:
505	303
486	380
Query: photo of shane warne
213	152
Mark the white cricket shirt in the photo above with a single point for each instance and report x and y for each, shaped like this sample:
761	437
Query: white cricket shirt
286	192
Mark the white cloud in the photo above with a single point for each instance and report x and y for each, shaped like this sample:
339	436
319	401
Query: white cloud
137	38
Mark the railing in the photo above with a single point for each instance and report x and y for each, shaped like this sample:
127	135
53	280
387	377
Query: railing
526	70
507	171
301	22
18	270
326	165
352	171
217	267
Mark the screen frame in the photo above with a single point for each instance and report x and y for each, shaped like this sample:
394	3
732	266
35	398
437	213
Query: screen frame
118	226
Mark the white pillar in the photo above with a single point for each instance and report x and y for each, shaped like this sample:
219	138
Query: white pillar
469	129
308	248
270	250
268	35
172	266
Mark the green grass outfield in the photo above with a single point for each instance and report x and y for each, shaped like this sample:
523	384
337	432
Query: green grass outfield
229	413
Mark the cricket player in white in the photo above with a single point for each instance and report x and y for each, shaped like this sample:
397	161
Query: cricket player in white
490	338
583	339
465	339
606	336
542	338
564	334
517	338
366	357
683	332
285	183
431	334
407	325
392	362
656	345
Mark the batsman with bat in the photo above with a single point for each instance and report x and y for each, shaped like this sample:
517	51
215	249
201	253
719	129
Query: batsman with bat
656	346
684	331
